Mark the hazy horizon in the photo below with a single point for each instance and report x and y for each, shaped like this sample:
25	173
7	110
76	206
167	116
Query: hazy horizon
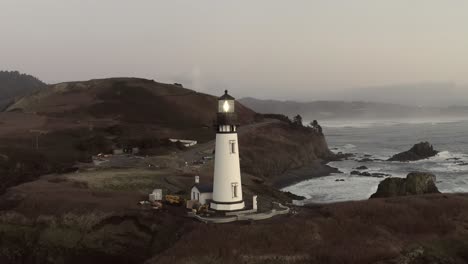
303	51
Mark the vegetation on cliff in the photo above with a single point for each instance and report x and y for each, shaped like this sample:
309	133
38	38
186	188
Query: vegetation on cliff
14	85
274	149
412	229
69	122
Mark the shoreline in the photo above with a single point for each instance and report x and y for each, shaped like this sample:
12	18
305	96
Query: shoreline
318	168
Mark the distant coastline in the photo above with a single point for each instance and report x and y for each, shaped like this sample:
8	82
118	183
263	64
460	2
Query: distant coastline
355	110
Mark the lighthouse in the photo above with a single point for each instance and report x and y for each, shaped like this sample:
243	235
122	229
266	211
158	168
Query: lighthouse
227	187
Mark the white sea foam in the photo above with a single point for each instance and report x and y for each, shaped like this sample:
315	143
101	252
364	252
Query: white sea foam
448	168
381	142
327	189
345	148
454	189
349	146
445	157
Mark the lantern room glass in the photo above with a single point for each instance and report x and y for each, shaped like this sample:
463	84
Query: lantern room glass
226	106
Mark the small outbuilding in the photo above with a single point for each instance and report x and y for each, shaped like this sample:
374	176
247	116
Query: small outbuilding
187	143
156	195
202	193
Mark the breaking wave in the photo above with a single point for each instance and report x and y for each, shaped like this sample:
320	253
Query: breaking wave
372	146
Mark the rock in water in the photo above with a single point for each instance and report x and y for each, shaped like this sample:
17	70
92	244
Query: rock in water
421	183
416	183
419	151
361	168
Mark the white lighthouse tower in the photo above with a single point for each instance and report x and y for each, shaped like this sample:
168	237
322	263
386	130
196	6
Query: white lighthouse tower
227	187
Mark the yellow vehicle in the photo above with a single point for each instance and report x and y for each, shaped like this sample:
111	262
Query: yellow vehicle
174	199
202	208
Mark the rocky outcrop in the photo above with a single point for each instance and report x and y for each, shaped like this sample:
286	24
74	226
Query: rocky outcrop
419	151
416	183
368	174
274	149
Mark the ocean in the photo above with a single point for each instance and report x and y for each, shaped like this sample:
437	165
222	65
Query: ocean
379	140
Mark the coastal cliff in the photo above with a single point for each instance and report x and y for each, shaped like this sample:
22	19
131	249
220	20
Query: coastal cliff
273	150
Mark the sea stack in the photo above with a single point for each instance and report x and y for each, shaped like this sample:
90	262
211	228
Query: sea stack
419	151
416	183
227	187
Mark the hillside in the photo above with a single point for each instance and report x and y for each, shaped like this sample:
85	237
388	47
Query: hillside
69	122
412	230
326	110
125	100
14	85
88	212
118	109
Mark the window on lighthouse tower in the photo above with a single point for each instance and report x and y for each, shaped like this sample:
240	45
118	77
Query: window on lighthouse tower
234	186
232	146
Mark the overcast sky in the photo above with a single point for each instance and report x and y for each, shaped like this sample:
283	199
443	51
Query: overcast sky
272	49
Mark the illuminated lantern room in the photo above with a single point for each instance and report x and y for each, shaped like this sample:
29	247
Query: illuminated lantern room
227	118
226	103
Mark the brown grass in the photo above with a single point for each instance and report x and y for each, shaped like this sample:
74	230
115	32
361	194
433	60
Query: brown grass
353	232
374	231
